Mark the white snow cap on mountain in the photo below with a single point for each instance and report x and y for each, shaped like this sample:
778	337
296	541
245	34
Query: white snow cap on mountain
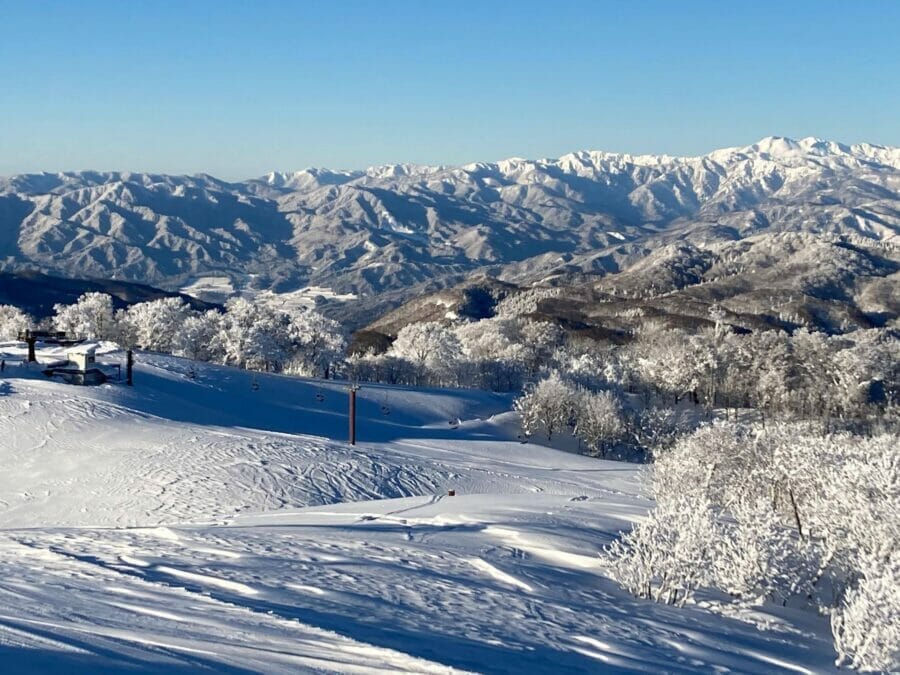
310	227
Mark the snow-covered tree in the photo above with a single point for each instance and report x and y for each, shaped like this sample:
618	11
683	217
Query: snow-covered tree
789	514
550	406
197	337
584	367
91	317
317	342
488	339
755	556
866	627
382	368
13	321
494	352
665	362
154	325
668	556
540	339
430	345
760	370
256	336
599	422
251	335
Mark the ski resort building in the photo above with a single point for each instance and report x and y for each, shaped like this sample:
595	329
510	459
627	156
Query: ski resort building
80	368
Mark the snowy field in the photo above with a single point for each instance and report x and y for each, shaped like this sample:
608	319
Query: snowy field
210	519
220	288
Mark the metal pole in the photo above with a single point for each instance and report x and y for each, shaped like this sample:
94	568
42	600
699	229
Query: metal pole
353	390
129	366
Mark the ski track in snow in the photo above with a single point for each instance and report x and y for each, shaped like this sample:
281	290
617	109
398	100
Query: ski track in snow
141	532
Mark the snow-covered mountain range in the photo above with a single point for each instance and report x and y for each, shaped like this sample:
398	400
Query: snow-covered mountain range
390	227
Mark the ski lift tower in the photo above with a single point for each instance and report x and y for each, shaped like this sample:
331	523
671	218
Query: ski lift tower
352	389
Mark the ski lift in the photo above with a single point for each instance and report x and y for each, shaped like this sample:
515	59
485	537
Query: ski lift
385	408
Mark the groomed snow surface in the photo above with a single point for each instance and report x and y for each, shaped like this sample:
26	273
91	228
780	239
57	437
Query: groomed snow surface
198	522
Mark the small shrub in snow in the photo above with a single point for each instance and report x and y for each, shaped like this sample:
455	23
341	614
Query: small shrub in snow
669	555
866	626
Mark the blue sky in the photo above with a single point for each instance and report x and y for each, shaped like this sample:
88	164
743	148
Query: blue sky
237	88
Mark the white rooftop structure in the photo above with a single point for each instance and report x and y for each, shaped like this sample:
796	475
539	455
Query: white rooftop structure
83	357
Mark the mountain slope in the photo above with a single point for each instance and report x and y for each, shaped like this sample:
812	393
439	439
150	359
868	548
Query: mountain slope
772	280
392	227
192	524
36	293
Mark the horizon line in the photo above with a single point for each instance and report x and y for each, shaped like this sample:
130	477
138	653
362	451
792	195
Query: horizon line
443	167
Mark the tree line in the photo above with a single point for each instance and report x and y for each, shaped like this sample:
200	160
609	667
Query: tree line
245	334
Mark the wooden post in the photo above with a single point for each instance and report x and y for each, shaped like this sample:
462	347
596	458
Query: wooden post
353	390
31	339
129	367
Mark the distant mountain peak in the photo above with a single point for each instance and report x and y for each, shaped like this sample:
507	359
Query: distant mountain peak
397	225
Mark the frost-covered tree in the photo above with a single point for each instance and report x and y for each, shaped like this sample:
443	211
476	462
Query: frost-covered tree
198	335
755	556
154	325
525	302
495	354
251	335
488	339
599	421
256	336
382	368
595	367
550	406
866	627
654	428
812	373
540	339
666	362
91	317
429	345
793	515
765	379
13	321
124	331
668	556
317	342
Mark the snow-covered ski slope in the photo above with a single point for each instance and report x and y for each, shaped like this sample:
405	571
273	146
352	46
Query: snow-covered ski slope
204	523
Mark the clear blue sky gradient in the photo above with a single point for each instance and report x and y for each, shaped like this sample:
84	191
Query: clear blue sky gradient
237	88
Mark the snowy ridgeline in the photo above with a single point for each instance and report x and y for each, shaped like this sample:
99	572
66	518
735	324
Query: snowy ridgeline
396	226
213	518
